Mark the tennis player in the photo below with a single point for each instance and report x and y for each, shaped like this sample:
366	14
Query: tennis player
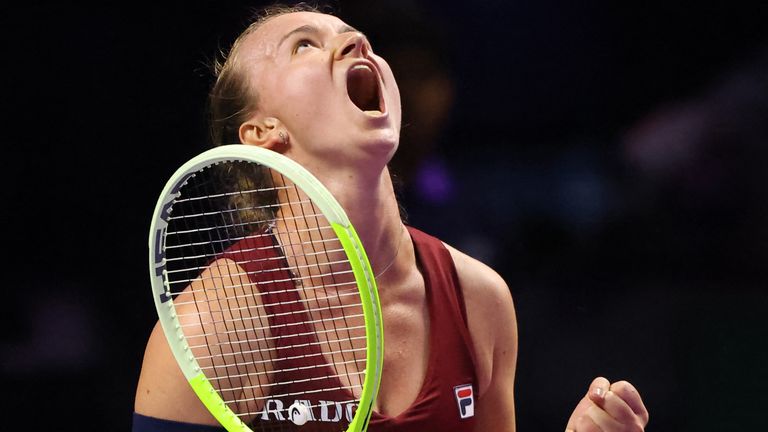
307	85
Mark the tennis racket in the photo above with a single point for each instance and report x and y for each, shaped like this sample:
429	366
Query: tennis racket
265	294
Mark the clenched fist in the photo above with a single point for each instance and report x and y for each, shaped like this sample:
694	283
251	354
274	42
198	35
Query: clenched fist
608	407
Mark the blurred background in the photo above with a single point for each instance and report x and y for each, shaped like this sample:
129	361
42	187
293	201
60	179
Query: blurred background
609	160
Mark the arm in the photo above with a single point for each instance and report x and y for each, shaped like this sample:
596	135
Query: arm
163	392
493	325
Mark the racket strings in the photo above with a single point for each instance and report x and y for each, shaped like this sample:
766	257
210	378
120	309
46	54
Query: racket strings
209	249
318	365
278	269
305	323
285	291
279	313
274	338
314	217
213	237
308	344
320	389
224	232
317	356
282	303
255	384
237	225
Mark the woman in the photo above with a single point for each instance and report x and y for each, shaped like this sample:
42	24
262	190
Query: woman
309	86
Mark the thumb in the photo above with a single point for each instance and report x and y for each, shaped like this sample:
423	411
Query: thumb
598	389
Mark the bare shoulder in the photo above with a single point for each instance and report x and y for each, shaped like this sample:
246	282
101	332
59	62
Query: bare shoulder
491	315
162	390
479	280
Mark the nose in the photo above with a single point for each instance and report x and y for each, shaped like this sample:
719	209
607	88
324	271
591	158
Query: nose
352	44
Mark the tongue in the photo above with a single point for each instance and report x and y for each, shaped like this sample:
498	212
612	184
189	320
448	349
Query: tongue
363	89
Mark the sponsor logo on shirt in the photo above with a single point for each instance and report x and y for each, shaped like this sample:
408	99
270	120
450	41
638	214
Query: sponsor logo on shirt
465	398
318	411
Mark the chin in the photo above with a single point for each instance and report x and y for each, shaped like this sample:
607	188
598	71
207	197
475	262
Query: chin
385	144
368	155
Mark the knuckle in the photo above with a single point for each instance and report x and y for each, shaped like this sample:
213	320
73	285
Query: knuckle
623	384
623	388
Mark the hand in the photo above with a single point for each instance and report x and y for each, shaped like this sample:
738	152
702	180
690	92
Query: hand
608	407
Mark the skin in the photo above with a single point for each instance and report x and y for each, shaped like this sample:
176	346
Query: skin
297	64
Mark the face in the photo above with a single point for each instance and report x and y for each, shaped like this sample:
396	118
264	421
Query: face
319	77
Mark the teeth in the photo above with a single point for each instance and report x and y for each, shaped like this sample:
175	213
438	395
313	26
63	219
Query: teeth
365	67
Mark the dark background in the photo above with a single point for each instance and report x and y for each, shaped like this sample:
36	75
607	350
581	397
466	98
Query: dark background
610	161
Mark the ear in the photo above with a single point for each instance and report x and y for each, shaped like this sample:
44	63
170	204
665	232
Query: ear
268	133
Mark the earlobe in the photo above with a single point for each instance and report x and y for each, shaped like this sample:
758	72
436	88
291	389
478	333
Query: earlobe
268	133
282	146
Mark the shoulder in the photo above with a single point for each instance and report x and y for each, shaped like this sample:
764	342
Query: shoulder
474	275
493	325
478	279
162	391
485	291
490	313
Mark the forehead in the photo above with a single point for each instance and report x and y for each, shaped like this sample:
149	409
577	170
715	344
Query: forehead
264	41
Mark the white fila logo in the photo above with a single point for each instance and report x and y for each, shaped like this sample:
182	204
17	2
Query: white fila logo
465	398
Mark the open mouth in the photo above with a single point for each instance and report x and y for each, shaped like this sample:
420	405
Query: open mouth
363	89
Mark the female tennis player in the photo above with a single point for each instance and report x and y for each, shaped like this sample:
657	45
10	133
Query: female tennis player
309	86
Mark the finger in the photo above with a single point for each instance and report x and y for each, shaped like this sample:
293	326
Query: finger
579	411
618	409
602	419
586	424
629	394
598	389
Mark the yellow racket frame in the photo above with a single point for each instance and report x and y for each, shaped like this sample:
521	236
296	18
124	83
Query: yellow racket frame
344	230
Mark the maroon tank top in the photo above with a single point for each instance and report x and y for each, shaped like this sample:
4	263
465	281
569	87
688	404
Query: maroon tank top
446	401
448	395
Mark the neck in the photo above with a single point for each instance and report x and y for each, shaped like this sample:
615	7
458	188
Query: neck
371	205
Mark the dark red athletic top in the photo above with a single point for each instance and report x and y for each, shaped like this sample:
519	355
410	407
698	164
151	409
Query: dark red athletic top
450	386
446	401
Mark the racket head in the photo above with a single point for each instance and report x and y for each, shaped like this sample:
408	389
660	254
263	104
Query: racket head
192	263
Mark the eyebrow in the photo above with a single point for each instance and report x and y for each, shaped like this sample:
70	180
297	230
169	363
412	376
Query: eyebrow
314	30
